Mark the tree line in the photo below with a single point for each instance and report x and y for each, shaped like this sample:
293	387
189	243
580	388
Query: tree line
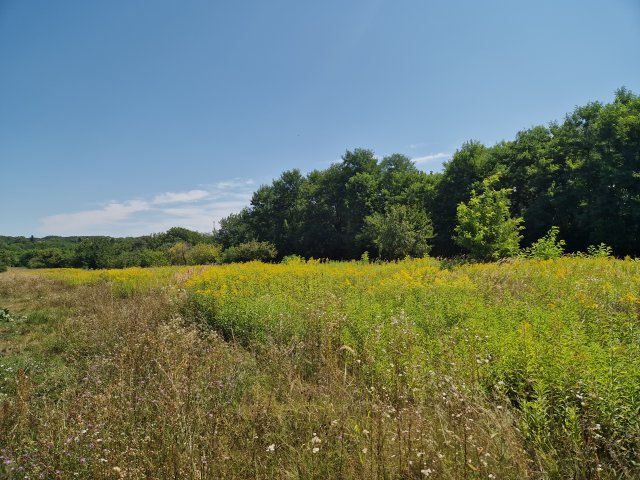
177	246
576	182
581	176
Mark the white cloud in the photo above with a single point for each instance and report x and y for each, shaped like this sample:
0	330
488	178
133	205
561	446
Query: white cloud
181	197
138	217
431	158
110	214
235	183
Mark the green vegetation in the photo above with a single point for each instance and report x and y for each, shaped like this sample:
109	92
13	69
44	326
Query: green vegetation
399	232
309	369
579	176
525	369
177	246
547	247
485	228
249	251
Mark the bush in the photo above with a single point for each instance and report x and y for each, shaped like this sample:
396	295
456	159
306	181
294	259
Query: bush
399	232
178	253
485	226
5	260
292	260
246	252
547	247
153	258
204	254
599	251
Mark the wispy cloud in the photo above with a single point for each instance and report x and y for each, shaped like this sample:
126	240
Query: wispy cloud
110	214
233	184
181	197
431	157
433	161
196	209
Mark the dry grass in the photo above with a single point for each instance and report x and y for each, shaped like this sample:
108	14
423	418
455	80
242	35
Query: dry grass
141	392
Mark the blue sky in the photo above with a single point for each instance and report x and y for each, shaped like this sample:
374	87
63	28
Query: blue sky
128	117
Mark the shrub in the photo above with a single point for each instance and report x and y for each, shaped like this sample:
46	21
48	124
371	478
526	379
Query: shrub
204	254
248	251
485	227
178	253
153	258
546	247
399	232
292	260
5	260
599	251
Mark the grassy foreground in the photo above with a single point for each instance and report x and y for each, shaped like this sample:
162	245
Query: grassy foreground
529	369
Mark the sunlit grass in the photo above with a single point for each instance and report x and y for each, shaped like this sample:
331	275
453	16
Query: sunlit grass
319	370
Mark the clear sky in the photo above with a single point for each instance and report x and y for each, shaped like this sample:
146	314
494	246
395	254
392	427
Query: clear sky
127	117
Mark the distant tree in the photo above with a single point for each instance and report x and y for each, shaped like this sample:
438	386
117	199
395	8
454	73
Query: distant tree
235	229
276	212
94	252
360	197
178	253
581	174
485	226
178	234
153	258
470	164
49	258
246	252
322	226
401	183
204	254
5	259
399	232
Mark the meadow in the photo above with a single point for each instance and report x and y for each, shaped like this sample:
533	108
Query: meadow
303	370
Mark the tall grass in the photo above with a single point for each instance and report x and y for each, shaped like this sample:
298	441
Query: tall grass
528	369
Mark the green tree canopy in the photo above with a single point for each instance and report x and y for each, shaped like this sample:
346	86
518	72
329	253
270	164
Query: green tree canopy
399	232
485	227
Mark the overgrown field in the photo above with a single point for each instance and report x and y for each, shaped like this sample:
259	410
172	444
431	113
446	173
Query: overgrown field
525	369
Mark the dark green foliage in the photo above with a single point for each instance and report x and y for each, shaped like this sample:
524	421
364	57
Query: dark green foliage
323	214
5	259
249	251
179	234
97	252
581	175
277	211
234	229
399	232
468	166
